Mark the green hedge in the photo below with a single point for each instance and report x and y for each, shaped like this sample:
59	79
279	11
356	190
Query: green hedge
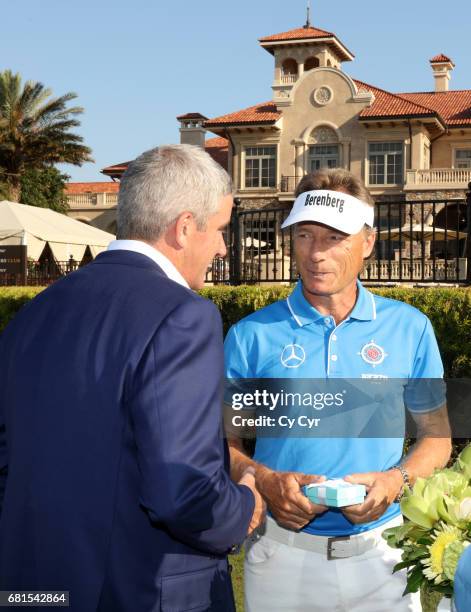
12	299
449	309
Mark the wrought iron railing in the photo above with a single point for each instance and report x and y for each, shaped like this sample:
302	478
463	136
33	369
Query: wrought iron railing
417	242
41	273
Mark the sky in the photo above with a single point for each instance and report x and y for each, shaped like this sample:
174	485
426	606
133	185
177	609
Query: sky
136	65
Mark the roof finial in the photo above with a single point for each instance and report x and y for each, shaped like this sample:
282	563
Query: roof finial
308	18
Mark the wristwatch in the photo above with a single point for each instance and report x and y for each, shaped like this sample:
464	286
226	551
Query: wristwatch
406	481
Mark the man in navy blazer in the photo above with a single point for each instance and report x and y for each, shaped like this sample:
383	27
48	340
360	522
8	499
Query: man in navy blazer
114	473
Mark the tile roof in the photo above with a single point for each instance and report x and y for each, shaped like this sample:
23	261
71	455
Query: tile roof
97	187
453	106
191	116
388	105
216	147
306	33
440	59
116	170
297	34
259	113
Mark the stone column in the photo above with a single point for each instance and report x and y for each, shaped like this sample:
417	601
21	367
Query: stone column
345	144
299	161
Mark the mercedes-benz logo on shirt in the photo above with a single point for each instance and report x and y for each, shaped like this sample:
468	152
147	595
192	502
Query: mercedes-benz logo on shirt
293	356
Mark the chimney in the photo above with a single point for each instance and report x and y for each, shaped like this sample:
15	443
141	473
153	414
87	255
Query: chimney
442	67
192	129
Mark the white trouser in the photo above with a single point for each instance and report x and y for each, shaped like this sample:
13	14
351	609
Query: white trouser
284	578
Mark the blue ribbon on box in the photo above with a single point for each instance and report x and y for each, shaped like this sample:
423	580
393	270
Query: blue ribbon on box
335	493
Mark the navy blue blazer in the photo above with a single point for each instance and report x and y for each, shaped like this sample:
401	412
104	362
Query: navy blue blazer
115	483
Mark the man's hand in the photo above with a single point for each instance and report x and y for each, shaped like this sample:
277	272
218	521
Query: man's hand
282	492
260	509
382	488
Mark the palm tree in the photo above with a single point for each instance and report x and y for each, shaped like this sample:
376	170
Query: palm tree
35	130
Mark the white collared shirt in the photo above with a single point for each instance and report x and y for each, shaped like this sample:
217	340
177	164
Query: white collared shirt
145	249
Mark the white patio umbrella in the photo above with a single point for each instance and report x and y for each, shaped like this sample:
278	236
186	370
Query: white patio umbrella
253	242
417	231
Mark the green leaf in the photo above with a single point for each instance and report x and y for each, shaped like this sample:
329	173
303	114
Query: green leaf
399	566
36	130
414	580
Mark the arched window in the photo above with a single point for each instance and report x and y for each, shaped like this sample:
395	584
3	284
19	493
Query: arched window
324	152
310	63
329	63
289	71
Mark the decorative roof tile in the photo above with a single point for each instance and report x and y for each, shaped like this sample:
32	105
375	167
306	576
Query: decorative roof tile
264	113
191	116
453	106
97	187
440	59
388	105
306	33
216	147
296	34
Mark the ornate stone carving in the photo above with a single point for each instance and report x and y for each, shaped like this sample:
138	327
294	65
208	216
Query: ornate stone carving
323	134
323	95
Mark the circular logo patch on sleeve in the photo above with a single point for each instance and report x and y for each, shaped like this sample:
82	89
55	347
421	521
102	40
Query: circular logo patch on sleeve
373	354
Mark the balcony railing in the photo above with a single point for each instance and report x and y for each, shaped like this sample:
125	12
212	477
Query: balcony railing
438	177
288	183
416	270
92	200
289	78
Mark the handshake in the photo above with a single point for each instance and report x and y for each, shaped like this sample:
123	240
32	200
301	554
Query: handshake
294	502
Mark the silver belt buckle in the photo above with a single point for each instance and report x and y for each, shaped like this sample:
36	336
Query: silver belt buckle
331	542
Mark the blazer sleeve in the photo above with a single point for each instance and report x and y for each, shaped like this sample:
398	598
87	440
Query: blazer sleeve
3	441
176	413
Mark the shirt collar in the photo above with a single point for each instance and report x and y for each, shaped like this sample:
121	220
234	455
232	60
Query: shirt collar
146	249
365	306
304	313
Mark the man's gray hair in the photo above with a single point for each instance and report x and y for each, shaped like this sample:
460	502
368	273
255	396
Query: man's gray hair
162	183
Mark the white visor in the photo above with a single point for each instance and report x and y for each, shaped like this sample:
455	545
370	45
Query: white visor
333	208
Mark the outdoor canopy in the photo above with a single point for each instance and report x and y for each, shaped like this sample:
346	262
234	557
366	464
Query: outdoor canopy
35	227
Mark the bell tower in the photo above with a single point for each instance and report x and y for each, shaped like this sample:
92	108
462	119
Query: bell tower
300	50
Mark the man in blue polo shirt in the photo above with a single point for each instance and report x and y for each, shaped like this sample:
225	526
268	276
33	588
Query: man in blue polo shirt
462	591
312	558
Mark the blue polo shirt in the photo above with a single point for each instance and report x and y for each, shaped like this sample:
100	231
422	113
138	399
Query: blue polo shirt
462	583
381	338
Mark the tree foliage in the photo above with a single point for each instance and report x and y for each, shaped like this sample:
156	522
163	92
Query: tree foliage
36	130
45	188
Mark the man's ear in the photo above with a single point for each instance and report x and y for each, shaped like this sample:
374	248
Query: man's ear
184	228
369	244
